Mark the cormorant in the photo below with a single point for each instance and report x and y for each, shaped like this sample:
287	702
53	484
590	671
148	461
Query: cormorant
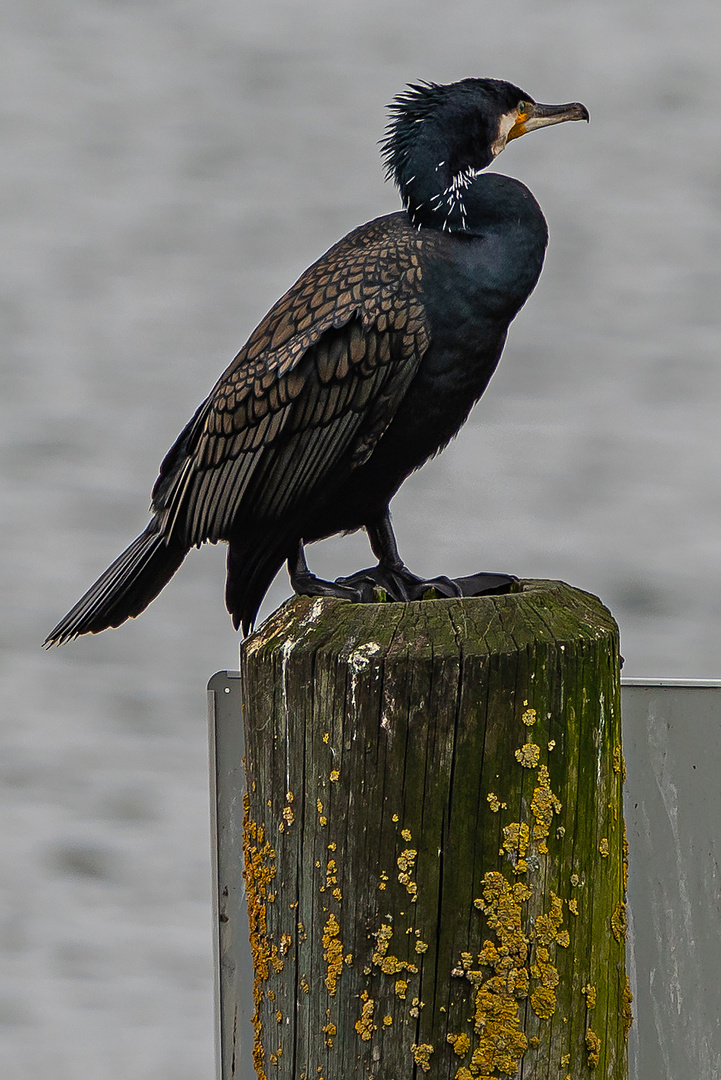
367	367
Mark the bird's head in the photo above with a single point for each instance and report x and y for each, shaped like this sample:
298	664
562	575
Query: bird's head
439	137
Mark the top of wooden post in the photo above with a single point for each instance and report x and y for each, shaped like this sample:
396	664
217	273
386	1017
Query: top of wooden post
483	625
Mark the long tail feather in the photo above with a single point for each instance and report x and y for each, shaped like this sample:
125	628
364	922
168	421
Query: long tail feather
125	589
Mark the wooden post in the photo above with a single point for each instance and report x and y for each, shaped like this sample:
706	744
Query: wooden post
434	840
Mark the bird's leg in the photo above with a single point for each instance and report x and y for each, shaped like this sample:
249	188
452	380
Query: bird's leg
305	583
400	584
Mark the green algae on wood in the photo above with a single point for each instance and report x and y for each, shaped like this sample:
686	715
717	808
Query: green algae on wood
442	782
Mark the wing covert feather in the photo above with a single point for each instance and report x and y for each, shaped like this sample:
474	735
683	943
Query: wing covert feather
313	389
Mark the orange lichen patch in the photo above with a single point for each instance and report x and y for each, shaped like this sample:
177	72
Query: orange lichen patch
619	922
619	763
527	755
329	1033
543	998
502	1044
365	1026
515	843
589	992
626	1014
332	953
389	965
547	926
593	1046
461	1043
334	776
406	863
604	848
279	1017
546	931
544	805
422	1055
529	717
259	871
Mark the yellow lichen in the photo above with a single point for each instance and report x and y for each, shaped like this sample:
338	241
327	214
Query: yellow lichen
329	1032
619	922
527	755
387	1021
552	745
563	938
626	1014
406	834
573	906
365	1026
326	737
334	776
593	1045
401	988
461	1043
406	863
544	805
589	992
502	1043
604	848
619	764
625	860
515	843
565	1060
333	953
421	947
279	1017
259	871
288	815
389	965
493	802
529	717
422	1055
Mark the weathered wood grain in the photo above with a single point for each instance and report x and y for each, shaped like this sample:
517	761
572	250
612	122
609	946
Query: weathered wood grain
434	839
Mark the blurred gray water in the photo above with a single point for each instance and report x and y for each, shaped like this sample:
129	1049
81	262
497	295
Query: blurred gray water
169	168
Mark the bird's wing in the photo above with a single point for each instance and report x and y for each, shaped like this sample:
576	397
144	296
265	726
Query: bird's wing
315	386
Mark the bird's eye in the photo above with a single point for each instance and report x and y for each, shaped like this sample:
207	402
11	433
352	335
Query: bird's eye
524	107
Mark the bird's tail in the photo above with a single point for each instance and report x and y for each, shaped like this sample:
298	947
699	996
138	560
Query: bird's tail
125	589
252	565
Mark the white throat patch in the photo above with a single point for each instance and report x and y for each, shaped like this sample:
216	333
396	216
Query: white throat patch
504	126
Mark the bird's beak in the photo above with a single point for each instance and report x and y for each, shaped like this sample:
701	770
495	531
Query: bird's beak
538	116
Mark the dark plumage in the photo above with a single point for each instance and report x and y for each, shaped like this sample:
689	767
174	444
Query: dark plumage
366	367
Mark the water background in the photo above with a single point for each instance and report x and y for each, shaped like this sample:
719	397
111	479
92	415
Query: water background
168	169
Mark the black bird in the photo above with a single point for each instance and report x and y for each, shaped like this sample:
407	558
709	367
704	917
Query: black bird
367	367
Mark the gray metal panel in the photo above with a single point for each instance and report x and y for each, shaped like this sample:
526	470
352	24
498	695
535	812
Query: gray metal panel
233	965
672	745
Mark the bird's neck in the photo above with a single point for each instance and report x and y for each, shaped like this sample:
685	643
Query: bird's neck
469	201
438	199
